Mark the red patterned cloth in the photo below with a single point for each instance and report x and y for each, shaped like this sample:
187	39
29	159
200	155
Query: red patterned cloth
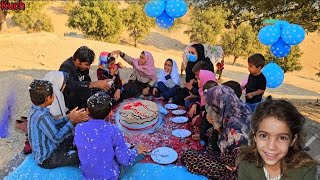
162	137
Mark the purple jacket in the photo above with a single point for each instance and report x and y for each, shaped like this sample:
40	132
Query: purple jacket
101	149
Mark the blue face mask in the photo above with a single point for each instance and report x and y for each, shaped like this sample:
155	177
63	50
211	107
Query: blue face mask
191	57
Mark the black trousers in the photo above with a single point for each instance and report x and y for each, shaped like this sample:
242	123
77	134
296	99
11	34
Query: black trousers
65	155
133	89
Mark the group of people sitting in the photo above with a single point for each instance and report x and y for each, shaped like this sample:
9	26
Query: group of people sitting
67	101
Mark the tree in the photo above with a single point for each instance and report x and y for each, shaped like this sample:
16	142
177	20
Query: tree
137	22
206	25
303	12
98	19
3	16
289	63
32	19
240	42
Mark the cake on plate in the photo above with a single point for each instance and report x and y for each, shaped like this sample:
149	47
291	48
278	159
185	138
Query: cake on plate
139	115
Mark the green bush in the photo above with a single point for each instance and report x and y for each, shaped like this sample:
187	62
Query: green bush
97	19
289	63
32	19
33	22
206	25
137	22
241	42
68	6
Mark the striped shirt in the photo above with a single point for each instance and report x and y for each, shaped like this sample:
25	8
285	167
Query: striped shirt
46	133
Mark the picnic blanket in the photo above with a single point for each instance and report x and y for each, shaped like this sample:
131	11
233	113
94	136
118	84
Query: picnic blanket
30	170
146	169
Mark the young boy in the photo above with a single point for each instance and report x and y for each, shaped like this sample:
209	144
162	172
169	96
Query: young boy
257	82
101	146
52	145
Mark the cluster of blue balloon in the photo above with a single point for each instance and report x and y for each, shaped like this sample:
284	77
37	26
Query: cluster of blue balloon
281	36
165	11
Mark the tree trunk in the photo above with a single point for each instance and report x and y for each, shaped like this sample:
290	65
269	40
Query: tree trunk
135	42
3	15
234	59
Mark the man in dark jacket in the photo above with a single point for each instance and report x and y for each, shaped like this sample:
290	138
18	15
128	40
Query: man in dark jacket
79	85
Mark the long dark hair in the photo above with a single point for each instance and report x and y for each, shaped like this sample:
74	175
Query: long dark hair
286	112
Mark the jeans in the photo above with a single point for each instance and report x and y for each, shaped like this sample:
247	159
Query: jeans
166	92
252	106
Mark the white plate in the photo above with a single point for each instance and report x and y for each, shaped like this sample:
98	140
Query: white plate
181	133
164	155
171	106
179	119
179	112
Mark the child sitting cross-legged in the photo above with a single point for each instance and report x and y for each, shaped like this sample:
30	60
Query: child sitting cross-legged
51	140
102	150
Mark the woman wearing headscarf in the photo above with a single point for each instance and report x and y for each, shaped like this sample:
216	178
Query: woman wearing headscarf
168	80
231	118
58	80
195	55
197	109
143	75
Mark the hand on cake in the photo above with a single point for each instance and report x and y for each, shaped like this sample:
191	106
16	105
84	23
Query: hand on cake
142	149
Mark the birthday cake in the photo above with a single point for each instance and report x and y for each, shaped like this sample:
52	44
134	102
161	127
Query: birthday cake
139	115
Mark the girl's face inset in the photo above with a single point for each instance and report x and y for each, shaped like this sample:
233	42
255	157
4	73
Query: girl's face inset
168	66
273	139
142	59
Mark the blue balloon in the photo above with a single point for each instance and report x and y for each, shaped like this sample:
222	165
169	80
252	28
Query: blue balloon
274	75
154	8
164	20
281	24
280	49
269	35
176	8
293	34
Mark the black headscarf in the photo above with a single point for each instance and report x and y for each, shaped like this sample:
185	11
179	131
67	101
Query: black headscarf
201	57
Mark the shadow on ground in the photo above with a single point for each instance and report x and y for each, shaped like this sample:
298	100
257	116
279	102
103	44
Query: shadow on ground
163	42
